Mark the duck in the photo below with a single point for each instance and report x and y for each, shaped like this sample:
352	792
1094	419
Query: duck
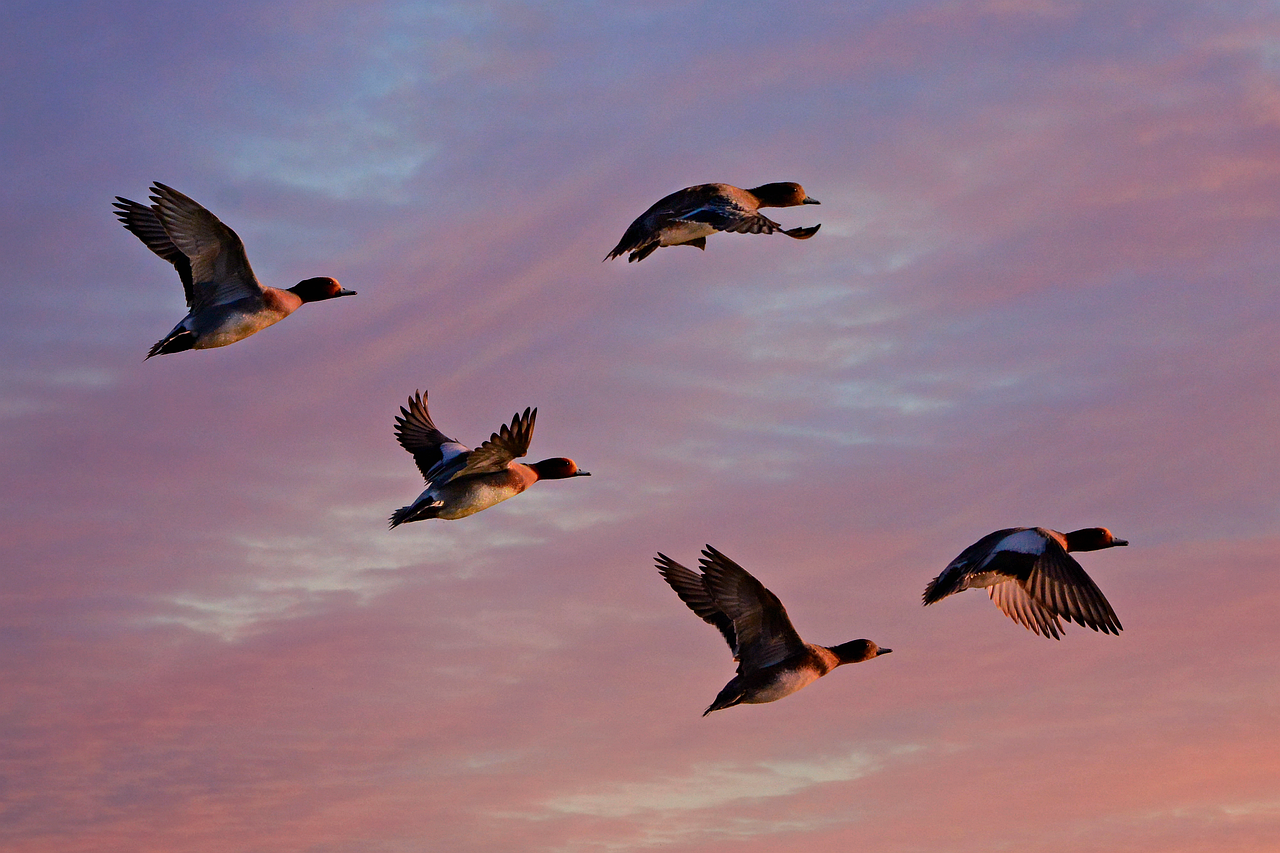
461	481
225	300
687	217
1031	576
773	662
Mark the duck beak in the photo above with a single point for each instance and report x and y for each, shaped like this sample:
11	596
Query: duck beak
345	292
808	200
1119	541
583	474
882	652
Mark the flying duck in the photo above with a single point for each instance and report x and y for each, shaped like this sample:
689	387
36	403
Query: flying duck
226	301
689	216
460	481
773	661
1030	575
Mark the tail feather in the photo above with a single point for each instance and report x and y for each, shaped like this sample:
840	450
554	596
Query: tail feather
178	340
729	696
414	512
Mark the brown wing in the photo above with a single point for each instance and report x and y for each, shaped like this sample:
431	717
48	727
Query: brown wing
143	223
729	217
220	269
693	592
1011	598
765	633
418	434
1059	583
503	446
641	235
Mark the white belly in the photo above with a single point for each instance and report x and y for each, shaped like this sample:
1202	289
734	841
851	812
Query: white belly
682	232
784	684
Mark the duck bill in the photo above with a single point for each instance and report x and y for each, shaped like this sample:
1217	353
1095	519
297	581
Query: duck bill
882	652
810	201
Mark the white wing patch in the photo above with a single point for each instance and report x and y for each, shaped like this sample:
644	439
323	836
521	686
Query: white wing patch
1022	542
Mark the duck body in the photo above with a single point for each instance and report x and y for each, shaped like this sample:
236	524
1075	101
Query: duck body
220	325
1031	577
466	496
226	301
778	681
773	662
460	481
691	215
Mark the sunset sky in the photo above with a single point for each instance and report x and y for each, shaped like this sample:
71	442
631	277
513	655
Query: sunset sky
1046	291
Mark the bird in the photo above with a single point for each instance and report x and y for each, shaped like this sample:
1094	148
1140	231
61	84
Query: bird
225	300
460	481
773	661
687	217
1031	576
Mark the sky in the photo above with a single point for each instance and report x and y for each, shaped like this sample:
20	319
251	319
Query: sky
1044	294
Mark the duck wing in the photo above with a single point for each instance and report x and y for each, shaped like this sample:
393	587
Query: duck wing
1060	584
641	235
724	208
143	223
765	633
734	219
693	591
220	269
971	560
1019	606
418	434
505	445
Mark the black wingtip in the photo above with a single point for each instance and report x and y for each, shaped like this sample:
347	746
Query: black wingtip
802	233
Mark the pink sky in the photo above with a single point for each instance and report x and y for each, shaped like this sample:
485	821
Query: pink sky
1044	293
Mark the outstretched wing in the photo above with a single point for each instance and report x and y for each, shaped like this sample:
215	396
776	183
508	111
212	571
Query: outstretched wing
220	269
418	434
765	633
1060	584
693	592
1011	598
505	445
727	216
143	223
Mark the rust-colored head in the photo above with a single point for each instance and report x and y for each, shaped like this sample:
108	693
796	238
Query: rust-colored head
856	651
316	289
558	469
1092	539
784	194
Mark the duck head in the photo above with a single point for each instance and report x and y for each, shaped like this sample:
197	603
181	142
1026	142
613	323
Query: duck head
316	289
856	651
784	194
1092	539
558	469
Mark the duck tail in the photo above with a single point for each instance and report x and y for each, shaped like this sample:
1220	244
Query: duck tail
731	695
177	341
413	512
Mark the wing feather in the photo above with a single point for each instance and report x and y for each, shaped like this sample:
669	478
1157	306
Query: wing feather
691	588
507	444
418	434
765	633
143	223
220	268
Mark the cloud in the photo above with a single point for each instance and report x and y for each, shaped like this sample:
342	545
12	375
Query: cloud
713	785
